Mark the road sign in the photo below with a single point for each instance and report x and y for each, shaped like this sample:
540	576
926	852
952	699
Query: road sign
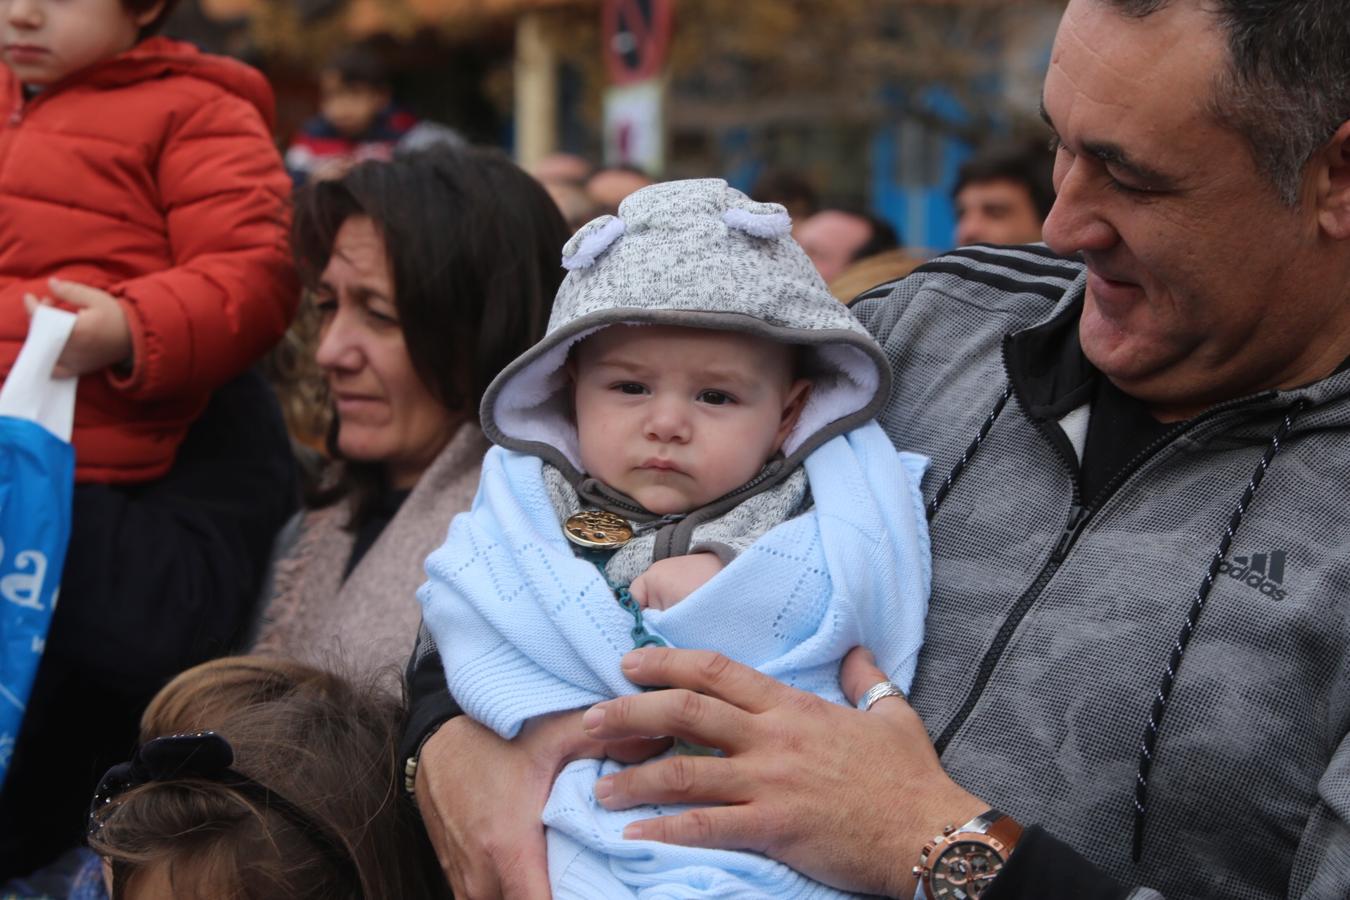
637	38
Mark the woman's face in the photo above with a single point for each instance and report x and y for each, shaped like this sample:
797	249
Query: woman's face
385	413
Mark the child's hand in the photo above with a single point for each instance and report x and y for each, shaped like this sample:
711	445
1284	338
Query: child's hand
101	336
669	581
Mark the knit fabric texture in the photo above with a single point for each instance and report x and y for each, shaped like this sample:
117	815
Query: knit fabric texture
367	622
697	254
526	628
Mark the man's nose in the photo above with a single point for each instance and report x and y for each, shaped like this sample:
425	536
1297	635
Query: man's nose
667	420
1077	222
967	230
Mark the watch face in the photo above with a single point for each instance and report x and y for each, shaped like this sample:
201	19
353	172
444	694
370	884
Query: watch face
964	870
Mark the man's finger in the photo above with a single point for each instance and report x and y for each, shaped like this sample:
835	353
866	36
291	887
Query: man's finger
677	779
722	827
705	672
702	720
636	750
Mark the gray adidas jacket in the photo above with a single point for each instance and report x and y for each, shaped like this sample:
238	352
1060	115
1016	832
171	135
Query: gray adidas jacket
1050	628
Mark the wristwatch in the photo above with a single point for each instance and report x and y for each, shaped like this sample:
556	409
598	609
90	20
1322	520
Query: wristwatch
961	863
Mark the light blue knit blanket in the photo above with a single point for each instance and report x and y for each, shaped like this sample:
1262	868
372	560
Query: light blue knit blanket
526	628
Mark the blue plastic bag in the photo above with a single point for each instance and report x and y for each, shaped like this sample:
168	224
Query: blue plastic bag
37	477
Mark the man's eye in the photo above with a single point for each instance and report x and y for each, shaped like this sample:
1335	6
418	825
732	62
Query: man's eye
1121	187
714	398
630	387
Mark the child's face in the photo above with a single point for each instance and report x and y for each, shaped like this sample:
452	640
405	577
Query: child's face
350	108
677	417
46	40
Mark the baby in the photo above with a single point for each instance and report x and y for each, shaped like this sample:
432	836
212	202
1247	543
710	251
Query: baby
698	422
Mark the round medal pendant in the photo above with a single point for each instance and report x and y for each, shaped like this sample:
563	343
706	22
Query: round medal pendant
596	529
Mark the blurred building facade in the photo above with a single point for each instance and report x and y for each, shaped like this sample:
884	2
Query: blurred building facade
876	102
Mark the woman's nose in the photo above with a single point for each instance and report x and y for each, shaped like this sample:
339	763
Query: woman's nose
339	345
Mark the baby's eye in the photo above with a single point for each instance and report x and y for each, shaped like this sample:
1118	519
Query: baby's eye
715	398
630	387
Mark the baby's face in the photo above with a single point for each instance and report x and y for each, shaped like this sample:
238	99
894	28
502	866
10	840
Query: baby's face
677	417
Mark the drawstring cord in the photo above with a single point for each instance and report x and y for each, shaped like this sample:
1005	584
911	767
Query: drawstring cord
1148	748
945	488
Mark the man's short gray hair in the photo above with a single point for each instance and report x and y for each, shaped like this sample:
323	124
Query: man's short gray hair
1287	88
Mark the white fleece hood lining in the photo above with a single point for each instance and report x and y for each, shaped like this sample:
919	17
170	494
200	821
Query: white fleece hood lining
535	406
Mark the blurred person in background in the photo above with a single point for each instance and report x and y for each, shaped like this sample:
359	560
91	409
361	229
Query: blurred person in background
608	186
836	238
429	274
791	189
562	168
870	271
357	120
1003	194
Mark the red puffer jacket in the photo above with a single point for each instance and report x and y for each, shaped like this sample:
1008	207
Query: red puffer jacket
152	176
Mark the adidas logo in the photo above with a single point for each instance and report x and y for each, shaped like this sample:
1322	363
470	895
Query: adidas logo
1263	571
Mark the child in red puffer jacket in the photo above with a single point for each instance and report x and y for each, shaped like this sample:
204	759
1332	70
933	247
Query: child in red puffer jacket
139	187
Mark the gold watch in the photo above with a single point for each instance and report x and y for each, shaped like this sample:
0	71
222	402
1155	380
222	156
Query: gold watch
961	863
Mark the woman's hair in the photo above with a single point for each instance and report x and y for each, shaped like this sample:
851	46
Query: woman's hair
474	247
315	739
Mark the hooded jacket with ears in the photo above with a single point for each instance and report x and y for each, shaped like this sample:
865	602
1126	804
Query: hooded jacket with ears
697	254
152	176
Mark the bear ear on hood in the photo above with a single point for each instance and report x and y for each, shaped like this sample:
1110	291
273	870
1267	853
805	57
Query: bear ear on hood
595	237
772	222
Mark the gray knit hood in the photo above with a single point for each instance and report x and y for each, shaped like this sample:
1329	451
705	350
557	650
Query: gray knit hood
697	254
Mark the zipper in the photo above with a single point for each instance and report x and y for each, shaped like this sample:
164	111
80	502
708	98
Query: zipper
1080	515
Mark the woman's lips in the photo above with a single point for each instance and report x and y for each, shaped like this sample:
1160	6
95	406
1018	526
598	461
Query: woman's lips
353	403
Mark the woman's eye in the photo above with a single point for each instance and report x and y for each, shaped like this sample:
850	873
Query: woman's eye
326	306
383	316
714	398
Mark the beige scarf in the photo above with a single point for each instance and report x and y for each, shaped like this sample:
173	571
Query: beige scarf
367	624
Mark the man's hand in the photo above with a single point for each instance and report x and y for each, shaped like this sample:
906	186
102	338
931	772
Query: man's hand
846	797
481	798
668	581
101	336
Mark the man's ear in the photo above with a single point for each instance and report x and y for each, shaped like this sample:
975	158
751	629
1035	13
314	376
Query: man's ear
1333	189
792	410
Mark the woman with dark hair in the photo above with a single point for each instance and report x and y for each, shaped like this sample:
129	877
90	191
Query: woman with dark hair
429	274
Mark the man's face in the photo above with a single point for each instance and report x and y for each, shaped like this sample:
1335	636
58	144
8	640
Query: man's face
999	211
1202	285
831	239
